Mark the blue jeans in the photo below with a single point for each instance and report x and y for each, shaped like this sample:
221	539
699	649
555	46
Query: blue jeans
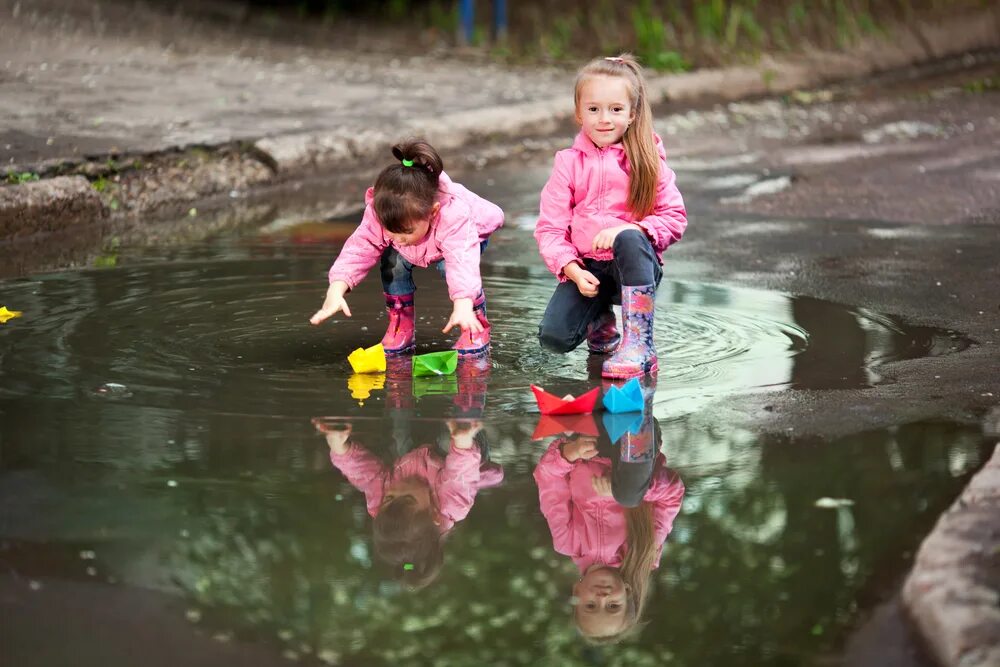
397	271
569	313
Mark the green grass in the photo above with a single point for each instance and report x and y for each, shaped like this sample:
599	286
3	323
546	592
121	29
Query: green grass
17	178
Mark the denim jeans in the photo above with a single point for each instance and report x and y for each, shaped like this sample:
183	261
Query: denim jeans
397	271
569	313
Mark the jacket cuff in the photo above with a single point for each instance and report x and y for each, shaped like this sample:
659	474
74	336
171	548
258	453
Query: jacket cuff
331	277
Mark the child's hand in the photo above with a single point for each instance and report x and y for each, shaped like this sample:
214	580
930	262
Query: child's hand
336	434
463	431
602	485
462	315
585	281
334	303
605	238
584	448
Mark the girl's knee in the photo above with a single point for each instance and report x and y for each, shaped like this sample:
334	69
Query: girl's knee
554	340
631	239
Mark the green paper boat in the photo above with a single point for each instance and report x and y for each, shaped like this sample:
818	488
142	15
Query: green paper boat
437	385
435	363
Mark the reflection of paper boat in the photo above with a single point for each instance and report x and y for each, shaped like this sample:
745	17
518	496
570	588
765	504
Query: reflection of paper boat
627	398
362	385
435	363
553	405
368	360
549	425
622	423
435	385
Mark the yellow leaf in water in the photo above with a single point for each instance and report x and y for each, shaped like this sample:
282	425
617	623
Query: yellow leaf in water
8	314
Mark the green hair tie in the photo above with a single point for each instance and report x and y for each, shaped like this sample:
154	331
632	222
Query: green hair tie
407	163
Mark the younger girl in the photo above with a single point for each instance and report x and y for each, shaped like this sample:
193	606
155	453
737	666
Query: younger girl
416	216
612	522
608	211
417	501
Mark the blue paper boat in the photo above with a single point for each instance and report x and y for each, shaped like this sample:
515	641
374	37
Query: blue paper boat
627	398
618	424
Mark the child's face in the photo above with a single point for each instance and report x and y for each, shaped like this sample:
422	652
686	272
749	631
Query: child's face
604	111
600	602
417	231
415	488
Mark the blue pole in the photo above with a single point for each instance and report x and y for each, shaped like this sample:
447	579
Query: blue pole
466	14
500	20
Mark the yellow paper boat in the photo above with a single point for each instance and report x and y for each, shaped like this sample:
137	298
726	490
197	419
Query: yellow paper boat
362	385
368	360
8	314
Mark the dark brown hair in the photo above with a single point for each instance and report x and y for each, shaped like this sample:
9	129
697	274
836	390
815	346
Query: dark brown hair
409	541
640	147
404	195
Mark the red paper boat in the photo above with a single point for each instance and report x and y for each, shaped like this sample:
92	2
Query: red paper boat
549	425
553	405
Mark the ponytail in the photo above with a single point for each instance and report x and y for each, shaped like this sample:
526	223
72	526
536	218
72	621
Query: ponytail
640	147
406	191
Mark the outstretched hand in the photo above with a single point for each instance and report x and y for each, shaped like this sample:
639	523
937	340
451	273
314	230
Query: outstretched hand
334	303
463	432
464	317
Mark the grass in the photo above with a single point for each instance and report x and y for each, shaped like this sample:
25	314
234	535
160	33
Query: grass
17	178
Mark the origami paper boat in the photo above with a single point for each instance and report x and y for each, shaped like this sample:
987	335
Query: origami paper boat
436	385
568	405
370	360
435	363
549	425
361	385
621	423
627	398
8	314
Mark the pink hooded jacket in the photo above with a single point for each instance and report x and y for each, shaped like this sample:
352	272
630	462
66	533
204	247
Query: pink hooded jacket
590	528
588	192
465	220
453	482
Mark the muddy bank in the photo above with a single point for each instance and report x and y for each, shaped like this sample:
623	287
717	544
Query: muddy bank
232	115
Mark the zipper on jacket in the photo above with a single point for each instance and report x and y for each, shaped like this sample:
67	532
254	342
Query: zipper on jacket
601	153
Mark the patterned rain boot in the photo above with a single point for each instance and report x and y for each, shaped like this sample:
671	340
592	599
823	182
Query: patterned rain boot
400	336
602	335
475	343
636	355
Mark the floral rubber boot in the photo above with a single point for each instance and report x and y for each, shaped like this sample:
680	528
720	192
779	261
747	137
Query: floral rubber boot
636	355
602	334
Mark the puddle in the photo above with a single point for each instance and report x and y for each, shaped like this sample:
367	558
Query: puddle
160	418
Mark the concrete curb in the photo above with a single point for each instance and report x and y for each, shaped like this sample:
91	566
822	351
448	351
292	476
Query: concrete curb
49	205
907	46
953	592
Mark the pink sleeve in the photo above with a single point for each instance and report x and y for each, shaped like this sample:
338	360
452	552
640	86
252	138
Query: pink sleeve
555	214
459	241
666	492
361	251
554	497
666	224
458	482
365	473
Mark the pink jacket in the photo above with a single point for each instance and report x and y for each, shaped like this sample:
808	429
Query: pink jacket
590	528
465	219
588	192
453	482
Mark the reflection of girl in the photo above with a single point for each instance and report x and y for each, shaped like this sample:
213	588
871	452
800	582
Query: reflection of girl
615	547
418	500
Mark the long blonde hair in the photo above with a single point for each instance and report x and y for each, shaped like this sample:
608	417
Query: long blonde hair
640	148
636	570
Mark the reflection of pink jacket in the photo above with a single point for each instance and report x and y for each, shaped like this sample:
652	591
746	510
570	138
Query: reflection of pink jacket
588	192
590	528
465	220
453	482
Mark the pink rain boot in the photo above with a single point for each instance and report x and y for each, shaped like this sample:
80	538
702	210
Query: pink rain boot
475	343
400	337
602	335
637	355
